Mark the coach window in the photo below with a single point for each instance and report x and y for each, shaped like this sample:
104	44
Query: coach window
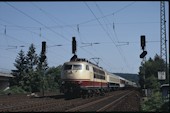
77	67
87	67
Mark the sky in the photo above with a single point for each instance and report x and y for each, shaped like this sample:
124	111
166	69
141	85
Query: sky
108	30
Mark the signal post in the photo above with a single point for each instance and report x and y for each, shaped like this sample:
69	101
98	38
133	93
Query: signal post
142	55
42	59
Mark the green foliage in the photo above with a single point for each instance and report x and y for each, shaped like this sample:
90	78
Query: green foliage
31	79
32	74
152	83
25	73
31	59
165	107
42	65
35	81
151	68
13	90
20	64
153	103
53	77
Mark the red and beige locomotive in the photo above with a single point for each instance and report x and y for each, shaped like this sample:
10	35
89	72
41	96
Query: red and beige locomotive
80	77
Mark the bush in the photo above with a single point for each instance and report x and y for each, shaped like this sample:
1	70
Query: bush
165	107
153	103
13	90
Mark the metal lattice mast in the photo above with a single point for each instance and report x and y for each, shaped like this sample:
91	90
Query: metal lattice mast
163	49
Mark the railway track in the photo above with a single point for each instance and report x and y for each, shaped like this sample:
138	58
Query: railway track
101	104
114	103
54	103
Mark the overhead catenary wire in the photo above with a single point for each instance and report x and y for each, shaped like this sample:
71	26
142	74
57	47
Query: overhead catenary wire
57	19
61	36
54	19
51	17
23	28
38	34
108	14
104	19
75	25
58	56
14	38
20	26
27	44
120	52
99	23
25	15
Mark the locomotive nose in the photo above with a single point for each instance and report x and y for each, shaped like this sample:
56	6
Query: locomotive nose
69	72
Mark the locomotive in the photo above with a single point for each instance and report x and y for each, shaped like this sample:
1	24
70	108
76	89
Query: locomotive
81	77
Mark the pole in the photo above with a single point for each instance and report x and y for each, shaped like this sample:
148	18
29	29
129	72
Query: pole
43	79
43	57
142	55
144	60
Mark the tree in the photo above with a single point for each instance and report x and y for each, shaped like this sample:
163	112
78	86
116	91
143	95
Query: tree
53	77
32	73
31	76
42	65
153	103
151	68
31	58
41	69
152	83
20	72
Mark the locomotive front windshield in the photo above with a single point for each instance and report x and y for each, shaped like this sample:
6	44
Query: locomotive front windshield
67	67
77	67
73	67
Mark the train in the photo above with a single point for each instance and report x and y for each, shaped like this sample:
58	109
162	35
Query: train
82	78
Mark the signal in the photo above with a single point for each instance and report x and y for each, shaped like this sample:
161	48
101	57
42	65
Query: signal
143	54
74	45
143	43
43	47
43	56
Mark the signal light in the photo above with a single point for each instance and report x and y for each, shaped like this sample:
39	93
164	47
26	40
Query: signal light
143	42
74	45
43	56
43	47
143	54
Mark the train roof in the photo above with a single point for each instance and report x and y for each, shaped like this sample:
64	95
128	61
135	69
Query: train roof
83	60
121	78
112	74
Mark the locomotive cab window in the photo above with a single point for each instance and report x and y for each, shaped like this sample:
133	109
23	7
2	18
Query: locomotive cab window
67	67
77	67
